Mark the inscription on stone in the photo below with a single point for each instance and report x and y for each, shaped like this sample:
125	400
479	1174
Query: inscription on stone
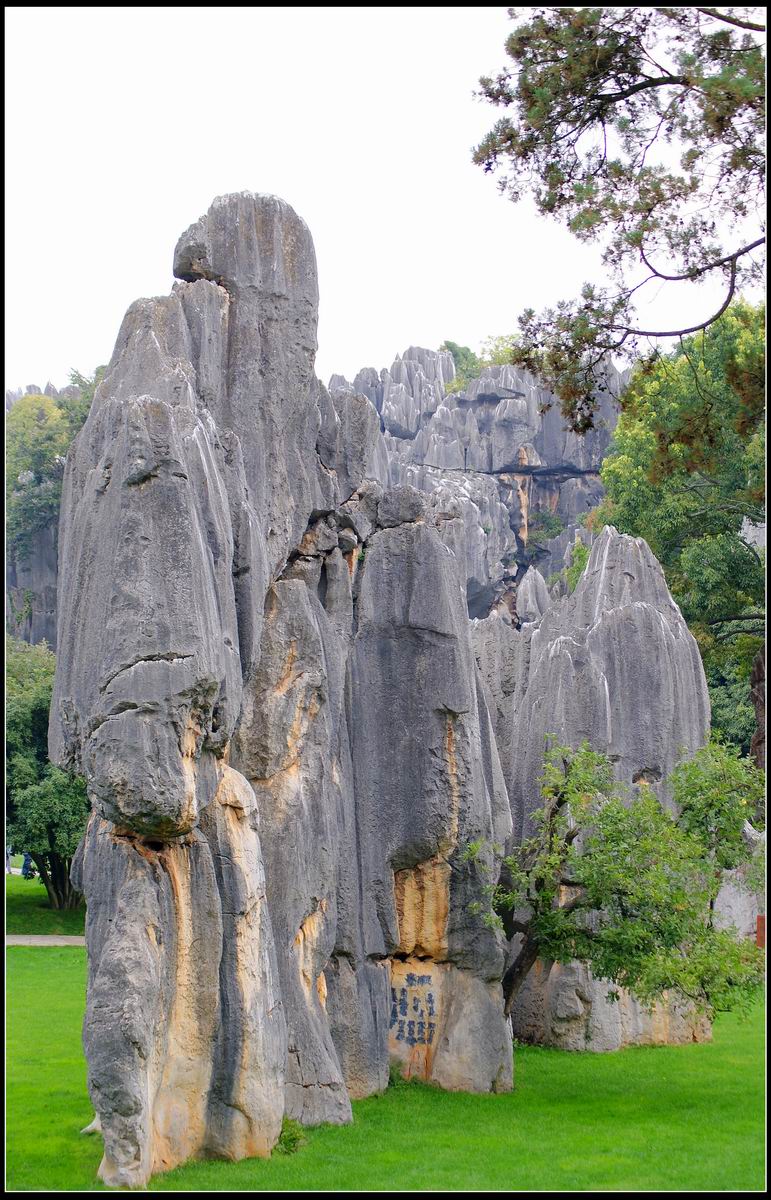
413	1011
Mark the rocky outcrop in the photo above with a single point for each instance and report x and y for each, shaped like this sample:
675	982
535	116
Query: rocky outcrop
613	664
533	597
290	730
31	565
500	451
30	589
741	900
265	674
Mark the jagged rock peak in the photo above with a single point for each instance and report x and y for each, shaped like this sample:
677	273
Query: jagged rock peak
250	240
613	664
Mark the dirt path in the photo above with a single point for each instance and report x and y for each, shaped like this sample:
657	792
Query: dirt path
42	939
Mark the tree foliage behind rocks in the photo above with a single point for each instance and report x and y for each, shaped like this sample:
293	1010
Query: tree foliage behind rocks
467	365
39	432
496	351
47	808
685	471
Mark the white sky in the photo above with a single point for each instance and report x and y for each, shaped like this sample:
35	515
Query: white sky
124	123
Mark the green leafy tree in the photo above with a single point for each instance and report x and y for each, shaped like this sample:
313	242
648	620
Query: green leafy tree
467	366
37	440
76	408
618	883
685	471
579	557
497	351
716	791
543	526
47	809
733	713
641	129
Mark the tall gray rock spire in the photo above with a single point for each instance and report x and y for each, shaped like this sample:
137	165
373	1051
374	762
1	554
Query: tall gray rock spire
265	674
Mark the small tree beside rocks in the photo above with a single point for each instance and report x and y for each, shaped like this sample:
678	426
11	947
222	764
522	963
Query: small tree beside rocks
617	882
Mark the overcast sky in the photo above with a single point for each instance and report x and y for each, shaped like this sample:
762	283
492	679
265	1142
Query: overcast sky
124	123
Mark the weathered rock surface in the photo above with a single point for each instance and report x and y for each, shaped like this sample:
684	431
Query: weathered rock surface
614	663
738	904
563	1005
30	589
31	568
265	674
184	1032
533	597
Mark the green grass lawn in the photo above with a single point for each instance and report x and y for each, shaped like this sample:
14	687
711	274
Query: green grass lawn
27	911
685	1118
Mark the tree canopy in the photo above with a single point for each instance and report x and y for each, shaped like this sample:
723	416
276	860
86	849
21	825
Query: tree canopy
496	351
641	129
467	365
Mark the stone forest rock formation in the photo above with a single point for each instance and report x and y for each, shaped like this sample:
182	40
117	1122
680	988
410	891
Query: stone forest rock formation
30	589
290	728
265	673
499	451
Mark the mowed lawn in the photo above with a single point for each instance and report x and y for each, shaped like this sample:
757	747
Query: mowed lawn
688	1117
27	910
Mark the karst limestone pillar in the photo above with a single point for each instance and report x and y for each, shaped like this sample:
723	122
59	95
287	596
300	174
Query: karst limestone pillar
265	674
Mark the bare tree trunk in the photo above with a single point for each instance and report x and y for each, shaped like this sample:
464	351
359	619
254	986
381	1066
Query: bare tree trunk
518	972
55	876
758	695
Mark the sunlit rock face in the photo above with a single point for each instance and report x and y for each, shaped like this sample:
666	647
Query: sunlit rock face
613	664
265	673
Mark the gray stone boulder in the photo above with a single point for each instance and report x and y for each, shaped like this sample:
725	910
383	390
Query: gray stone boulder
401	505
563	1005
739	905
